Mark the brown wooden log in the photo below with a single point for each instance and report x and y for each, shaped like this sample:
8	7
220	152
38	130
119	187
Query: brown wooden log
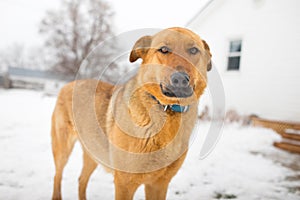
278	126
288	147
291	136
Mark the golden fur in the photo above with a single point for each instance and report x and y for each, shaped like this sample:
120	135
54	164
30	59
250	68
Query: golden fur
134	104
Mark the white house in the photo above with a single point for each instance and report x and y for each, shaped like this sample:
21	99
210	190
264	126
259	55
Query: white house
256	48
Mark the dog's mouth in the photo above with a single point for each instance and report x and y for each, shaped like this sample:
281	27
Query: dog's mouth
177	92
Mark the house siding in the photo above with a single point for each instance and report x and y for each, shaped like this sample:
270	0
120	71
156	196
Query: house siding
268	82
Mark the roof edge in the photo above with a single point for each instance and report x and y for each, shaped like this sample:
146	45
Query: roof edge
199	12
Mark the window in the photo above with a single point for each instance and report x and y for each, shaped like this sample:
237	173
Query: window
234	56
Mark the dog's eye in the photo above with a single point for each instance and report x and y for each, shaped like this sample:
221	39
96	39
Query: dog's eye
164	50
193	50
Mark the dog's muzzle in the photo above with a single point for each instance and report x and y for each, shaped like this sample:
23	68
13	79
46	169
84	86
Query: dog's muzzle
179	86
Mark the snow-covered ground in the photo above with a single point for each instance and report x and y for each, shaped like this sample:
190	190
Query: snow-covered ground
244	164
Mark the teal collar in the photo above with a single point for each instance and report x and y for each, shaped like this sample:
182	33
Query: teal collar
174	107
177	108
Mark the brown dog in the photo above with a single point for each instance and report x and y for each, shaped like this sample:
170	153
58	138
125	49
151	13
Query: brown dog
146	123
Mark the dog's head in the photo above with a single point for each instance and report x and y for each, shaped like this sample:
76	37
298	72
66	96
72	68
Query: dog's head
174	67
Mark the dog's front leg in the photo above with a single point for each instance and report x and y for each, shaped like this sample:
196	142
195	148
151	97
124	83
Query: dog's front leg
157	190
125	186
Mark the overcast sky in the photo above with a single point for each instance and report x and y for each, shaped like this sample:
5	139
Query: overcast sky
19	19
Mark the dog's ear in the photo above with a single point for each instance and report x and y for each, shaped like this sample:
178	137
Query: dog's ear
209	66
140	48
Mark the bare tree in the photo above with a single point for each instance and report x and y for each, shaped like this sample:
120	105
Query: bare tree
74	30
19	56
12	56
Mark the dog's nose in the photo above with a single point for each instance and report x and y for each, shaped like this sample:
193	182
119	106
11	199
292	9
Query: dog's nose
180	80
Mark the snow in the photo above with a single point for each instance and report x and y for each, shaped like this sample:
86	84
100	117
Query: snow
243	165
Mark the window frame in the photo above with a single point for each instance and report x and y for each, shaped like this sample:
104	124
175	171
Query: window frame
232	54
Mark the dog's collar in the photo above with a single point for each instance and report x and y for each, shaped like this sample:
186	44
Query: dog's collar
174	107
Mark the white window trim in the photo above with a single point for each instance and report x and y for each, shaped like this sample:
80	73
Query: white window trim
234	54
